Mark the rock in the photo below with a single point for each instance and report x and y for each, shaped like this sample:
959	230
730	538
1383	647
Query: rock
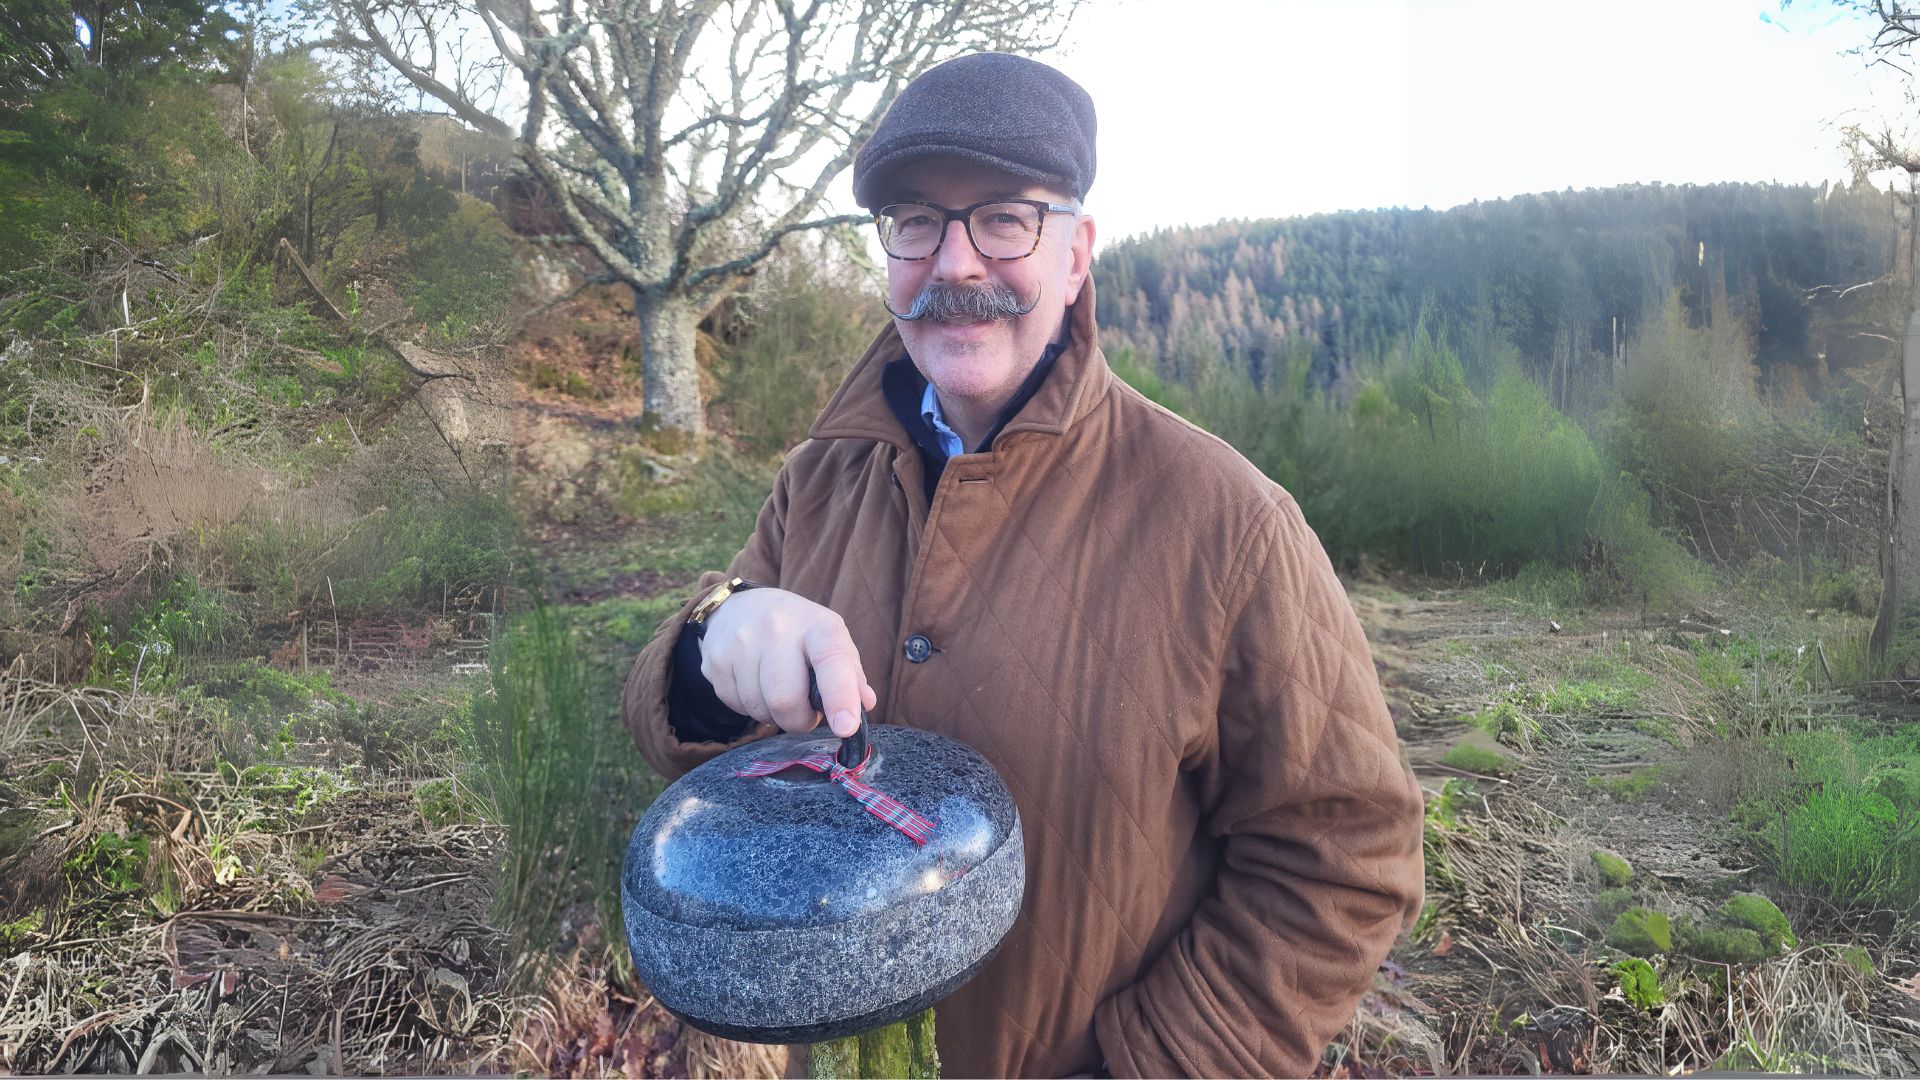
778	909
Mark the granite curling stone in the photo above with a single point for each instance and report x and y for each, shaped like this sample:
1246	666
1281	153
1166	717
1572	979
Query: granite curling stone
773	904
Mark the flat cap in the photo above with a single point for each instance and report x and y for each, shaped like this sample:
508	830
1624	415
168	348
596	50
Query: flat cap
1000	110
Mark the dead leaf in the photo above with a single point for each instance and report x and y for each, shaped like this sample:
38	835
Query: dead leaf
1444	945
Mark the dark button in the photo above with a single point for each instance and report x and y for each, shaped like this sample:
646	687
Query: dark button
918	648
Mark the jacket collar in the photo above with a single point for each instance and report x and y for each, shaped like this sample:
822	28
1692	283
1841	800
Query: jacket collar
1080	377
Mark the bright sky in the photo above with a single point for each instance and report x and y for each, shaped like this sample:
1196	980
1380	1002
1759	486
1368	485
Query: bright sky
1212	109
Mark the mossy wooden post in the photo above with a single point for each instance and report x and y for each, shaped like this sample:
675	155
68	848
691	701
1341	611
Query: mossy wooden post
904	1050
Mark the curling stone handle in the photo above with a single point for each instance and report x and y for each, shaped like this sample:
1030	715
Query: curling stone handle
853	748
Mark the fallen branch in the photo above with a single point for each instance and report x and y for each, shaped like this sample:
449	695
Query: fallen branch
398	349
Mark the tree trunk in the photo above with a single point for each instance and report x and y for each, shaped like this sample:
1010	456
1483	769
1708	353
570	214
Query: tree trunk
669	369
1899	616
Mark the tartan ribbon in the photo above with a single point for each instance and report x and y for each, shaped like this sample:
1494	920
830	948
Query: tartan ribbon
878	803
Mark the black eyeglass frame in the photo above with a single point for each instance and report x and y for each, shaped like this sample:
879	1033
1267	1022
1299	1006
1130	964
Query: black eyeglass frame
964	215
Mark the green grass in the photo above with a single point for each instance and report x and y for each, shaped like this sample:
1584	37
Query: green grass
1837	812
549	761
1478	759
1505	721
1632	785
1586	697
1541	590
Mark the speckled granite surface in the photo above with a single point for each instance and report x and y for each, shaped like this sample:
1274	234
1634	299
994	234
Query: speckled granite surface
778	909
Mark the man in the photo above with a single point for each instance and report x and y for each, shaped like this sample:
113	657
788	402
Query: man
991	536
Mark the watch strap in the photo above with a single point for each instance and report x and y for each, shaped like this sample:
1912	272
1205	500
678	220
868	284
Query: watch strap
697	619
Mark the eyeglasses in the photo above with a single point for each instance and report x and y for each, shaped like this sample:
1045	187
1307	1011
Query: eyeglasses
1001	229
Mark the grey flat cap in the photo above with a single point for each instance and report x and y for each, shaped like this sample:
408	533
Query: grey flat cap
1001	110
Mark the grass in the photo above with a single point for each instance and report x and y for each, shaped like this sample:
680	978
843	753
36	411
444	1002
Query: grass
1632	785
1470	758
553	767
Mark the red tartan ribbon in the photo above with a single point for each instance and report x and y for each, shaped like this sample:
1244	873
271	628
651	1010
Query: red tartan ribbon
878	803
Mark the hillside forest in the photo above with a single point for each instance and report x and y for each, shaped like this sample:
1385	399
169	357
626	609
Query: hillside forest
336	499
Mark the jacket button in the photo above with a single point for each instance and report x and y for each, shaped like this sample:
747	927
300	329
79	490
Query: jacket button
918	648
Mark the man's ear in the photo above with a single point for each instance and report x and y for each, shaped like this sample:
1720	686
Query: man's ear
1081	256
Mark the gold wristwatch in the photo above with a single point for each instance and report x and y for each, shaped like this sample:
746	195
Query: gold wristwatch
697	619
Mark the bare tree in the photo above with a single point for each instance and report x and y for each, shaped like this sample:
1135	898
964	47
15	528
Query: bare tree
1896	27
682	142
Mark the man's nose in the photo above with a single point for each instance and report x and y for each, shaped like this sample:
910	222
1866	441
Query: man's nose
957	259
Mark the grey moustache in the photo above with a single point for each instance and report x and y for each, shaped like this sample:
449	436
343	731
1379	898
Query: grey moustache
948	303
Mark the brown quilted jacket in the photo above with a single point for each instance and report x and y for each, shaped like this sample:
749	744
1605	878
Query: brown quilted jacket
1145	637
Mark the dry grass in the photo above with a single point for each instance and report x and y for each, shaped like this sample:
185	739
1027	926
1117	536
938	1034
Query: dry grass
280	918
586	1023
1534	991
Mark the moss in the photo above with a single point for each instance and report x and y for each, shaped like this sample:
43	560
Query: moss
1760	915
1639	983
14	935
1609	903
1631	786
1723	944
1614	870
903	1049
1641	932
1468	757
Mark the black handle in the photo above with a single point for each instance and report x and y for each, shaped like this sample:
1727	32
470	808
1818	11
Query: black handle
853	748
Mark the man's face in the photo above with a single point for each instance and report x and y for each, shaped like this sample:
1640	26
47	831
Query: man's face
983	362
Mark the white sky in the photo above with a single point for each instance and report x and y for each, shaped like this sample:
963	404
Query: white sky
1212	109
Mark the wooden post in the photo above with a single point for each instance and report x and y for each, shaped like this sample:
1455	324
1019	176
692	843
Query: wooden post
905	1049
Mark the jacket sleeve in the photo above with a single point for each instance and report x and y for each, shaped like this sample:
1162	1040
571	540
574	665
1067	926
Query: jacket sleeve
1320	821
644	700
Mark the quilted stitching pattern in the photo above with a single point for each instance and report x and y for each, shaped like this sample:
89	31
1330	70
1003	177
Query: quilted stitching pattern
1148	641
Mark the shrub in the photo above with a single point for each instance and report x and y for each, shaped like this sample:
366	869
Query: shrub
109	862
403	557
263	709
462	271
807	320
1632	560
184	618
544	746
445	802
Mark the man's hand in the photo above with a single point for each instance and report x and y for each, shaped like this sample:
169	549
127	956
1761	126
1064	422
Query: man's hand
758	648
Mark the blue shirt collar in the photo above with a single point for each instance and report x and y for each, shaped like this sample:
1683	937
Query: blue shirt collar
930	412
